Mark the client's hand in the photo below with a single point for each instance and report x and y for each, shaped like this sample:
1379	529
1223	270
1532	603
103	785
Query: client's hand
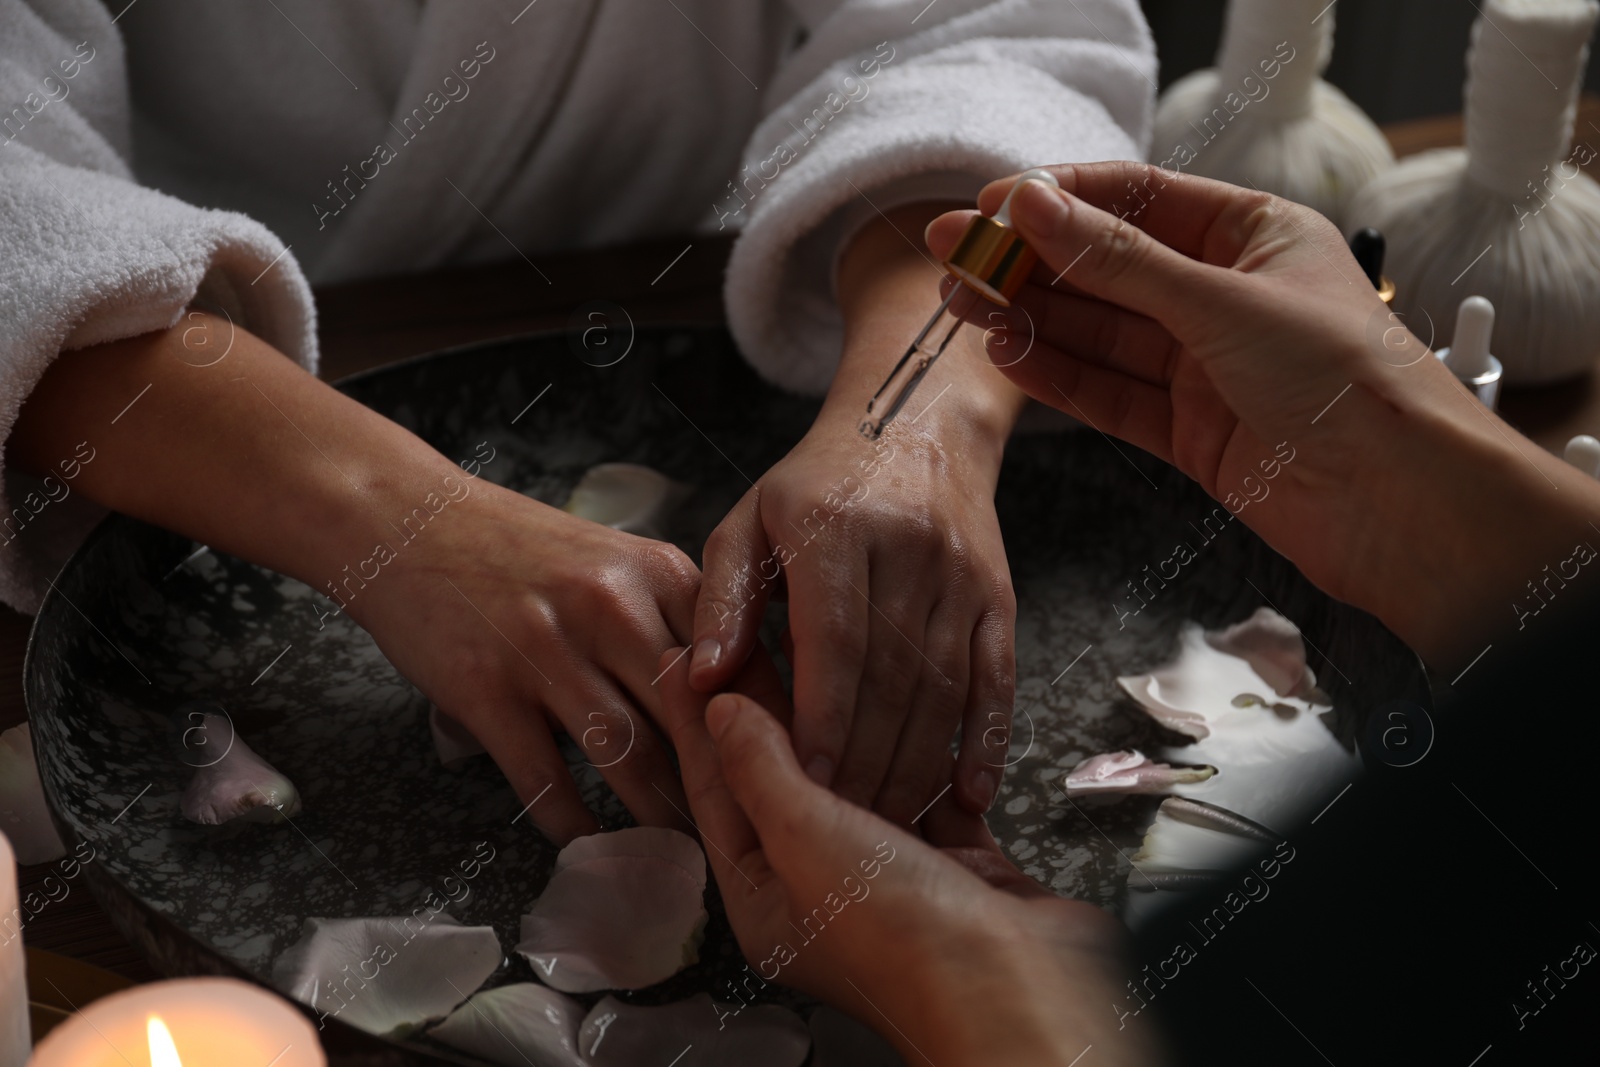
520	620
831	899
1232	333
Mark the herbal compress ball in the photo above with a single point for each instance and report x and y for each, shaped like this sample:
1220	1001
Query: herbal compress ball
1510	217
1263	117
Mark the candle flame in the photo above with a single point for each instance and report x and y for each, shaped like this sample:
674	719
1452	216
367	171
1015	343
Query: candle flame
163	1053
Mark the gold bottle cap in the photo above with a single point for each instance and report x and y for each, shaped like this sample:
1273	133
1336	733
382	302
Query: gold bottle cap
991	257
1386	289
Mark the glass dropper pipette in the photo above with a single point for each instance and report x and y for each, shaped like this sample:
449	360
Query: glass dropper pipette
991	261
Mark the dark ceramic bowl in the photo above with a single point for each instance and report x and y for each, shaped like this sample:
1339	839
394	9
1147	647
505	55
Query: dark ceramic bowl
138	624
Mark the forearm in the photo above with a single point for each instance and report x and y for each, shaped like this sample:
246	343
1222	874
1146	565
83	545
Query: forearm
1024	993
888	287
1475	532
249	454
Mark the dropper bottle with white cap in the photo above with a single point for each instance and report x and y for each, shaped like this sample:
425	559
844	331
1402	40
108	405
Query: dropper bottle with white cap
1468	356
1583	452
991	261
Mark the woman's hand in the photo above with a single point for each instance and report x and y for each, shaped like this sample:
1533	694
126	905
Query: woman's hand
511	616
515	618
833	900
900	610
900	603
1232	334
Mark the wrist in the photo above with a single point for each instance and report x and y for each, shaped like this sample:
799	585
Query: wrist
967	422
1482	513
1042	1000
888	289
390	516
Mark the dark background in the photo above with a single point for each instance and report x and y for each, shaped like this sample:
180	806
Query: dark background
1398	59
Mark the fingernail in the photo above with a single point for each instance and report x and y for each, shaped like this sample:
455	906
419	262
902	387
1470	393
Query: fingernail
984	787
1039	208
820	770
707	653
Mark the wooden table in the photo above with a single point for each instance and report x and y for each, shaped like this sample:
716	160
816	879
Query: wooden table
367	324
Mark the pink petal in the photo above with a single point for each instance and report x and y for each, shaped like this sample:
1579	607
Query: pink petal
387	975
614	922
700	1031
239	785
648	842
1272	646
1129	772
516	1025
1146	690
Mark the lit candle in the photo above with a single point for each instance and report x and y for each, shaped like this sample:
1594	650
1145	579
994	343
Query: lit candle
13	978
187	1022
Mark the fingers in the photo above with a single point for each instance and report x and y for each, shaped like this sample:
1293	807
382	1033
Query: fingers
1198	217
986	725
522	746
621	744
794	818
1108	400
739	570
760	681
1087	329
947	824
828	612
922	765
899	613
1114	259
732	847
676	582
944	232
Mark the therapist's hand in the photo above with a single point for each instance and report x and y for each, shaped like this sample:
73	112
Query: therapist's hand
1232	333
901	610
918	946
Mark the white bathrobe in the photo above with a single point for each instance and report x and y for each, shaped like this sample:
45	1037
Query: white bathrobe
169	152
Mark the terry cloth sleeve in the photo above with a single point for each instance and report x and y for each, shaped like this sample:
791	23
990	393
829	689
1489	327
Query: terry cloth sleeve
891	101
90	256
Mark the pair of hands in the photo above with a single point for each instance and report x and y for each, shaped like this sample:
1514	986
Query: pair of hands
900	615
936	941
1210	329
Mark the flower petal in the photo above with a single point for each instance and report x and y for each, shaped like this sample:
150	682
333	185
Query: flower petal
626	497
653	842
238	785
614	922
387	975
516	1025
1273	647
1129	772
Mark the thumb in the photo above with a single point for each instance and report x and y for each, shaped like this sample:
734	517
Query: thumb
1108	257
733	597
760	769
